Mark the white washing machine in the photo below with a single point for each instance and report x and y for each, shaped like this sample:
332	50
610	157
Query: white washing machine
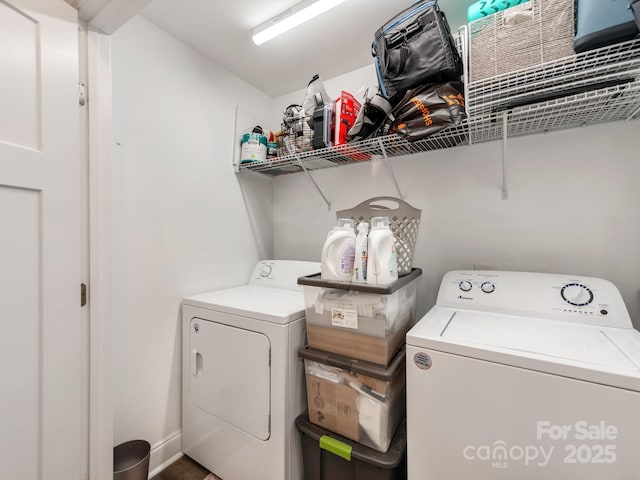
242	381
523	376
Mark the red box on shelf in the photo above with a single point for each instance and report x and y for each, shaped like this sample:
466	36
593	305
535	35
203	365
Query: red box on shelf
347	109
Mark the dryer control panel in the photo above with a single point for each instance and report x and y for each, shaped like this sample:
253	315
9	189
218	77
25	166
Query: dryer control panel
282	274
553	296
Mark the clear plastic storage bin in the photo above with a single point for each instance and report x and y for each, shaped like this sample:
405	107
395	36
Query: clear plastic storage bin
358	400
367	322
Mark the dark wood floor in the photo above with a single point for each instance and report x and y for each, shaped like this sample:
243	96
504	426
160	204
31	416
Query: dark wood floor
185	469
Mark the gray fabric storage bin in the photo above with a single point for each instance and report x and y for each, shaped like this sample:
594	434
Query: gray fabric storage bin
499	45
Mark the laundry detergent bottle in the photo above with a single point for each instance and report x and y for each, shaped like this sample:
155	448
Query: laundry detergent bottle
360	261
382	264
339	252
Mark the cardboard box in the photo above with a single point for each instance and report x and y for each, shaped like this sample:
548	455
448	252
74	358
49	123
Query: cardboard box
379	350
358	400
333	406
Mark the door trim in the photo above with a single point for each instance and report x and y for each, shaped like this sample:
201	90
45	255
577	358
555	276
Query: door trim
100	271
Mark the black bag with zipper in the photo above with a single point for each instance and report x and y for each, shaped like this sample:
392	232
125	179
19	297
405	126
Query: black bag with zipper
413	48
370	120
427	109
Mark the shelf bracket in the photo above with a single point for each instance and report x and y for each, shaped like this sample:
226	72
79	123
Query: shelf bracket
388	165
633	115
463	34
234	152
313	182
505	136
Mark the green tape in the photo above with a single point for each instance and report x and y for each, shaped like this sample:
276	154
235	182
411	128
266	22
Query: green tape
336	447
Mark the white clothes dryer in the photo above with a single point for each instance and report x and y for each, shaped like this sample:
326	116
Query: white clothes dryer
242	381
523	376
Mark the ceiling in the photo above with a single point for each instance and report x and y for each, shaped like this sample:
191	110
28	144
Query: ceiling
334	43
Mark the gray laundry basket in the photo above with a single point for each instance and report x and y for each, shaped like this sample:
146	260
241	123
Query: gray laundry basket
131	460
404	221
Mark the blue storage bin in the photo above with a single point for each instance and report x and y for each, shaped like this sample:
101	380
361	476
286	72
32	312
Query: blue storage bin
601	23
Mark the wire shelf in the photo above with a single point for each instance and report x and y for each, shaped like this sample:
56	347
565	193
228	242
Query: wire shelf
588	108
615	65
622	57
590	88
371	149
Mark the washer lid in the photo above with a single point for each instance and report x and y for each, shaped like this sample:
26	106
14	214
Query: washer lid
574	350
562	341
262	303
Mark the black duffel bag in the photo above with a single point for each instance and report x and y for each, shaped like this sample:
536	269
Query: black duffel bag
414	48
427	109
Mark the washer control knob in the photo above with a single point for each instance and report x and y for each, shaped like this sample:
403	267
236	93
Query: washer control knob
465	285
265	270
576	294
488	287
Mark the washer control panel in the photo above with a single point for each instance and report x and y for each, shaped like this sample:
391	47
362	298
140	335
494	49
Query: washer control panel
576	294
552	296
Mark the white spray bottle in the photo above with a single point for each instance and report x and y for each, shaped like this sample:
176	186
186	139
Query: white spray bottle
382	265
360	262
338	252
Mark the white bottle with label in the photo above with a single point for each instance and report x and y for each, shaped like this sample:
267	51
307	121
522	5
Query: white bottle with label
382	265
360	262
339	252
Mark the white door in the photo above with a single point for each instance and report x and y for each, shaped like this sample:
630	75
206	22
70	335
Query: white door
41	389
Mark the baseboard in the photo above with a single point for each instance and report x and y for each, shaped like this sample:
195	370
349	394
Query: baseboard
165	453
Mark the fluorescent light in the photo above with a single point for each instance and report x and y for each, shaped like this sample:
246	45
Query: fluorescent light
291	18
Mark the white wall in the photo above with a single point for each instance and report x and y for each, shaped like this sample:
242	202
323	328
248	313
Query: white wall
573	207
183	222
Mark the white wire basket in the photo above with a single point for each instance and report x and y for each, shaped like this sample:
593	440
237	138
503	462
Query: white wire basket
404	221
295	136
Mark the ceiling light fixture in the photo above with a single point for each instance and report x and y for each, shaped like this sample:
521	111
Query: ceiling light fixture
292	17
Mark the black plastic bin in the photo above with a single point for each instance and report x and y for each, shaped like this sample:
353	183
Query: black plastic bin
329	456
131	460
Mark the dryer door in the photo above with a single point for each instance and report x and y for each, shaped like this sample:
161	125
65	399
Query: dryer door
230	375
